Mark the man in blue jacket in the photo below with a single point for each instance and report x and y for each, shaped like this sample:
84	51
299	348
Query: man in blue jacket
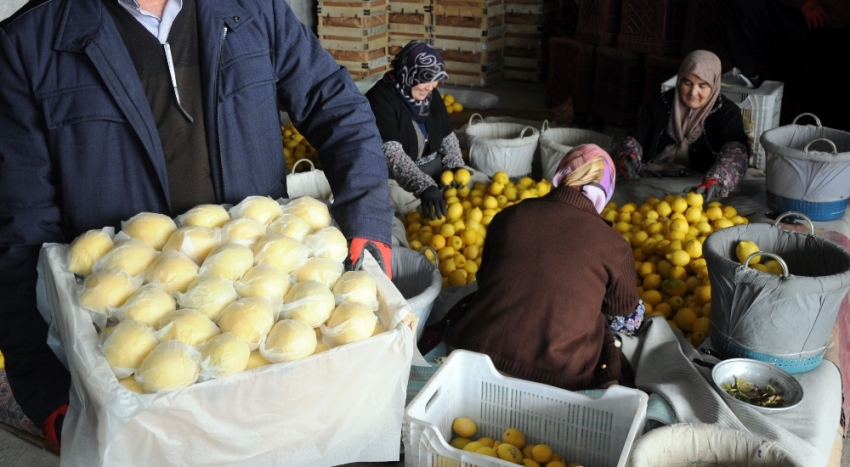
113	107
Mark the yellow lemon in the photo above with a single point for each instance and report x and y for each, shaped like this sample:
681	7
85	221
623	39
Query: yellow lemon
473	446
663	208
447	230
454	211
524	182
462	176
457	278
697	338
447	177
446	267
541	453
714	213
679	225
465	427
652	282
664	267
676	303
490	202
695	200
705	311
759	267
693	215
664	309
744	249
496	188
702	325
509	452
678	258
703	294
679	204
722	223
647	268
685	319
653	297
693	248
438	242
543	187
446	253
448	99
486	441
674	287
468	236
624	217
774	267
455	242
678	273
514	436
675	235
729	212
457	107
501	177
529	463
459	442
471	252
703	227
628	207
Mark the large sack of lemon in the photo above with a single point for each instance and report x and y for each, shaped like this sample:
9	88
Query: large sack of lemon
458	237
666	236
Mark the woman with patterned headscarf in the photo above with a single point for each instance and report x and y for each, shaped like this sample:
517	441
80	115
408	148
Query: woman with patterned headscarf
555	282
691	129
418	138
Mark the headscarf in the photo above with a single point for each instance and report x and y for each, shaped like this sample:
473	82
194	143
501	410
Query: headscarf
590	170
685	125
417	63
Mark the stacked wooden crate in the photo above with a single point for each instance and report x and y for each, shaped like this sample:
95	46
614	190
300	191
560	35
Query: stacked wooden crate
356	34
470	35
409	20
528	24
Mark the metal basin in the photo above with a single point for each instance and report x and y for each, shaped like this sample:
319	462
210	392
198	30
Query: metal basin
760	374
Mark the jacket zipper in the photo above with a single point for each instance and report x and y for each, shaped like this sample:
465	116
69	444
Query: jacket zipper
218	116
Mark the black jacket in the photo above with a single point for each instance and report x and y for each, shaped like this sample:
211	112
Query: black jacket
395	122
723	124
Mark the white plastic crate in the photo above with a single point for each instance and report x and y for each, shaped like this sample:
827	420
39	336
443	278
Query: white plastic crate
595	431
759	106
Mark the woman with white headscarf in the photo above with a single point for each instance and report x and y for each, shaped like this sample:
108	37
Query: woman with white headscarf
688	130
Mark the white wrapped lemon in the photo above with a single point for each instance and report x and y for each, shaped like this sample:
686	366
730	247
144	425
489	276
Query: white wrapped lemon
132	256
357	287
86	249
313	211
244	231
329	243
261	208
326	271
349	322
230	261
310	301
263	280
186	325
288	340
204	215
280	251
209	295
196	242
108	289
131	384
171	365
150	227
126	346
249	318
174	270
147	305
256	360
223	355
291	226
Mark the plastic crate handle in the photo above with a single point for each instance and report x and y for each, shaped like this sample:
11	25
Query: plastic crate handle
834	148
798	214
772	255
817	120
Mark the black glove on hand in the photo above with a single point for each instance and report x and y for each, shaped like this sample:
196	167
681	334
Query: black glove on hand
628	167
708	190
433	204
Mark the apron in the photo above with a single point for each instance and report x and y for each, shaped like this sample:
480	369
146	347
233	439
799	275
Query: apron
432	164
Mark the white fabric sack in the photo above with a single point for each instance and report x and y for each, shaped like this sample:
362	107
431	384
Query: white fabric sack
312	183
555	143
505	147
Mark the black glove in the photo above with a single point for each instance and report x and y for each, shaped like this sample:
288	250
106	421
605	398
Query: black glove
433	205
708	190
629	166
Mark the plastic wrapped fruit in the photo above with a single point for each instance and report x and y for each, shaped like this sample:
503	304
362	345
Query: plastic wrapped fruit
147	305
132	256
244	231
127	345
357	287
171	365
204	215
149	227
313	211
107	289
263	280
261	208
223	355
329	243
174	270
291	226
209	295
86	249
194	241
280	251
230	261
310	301
326	271
186	325
289	340
250	319
349	322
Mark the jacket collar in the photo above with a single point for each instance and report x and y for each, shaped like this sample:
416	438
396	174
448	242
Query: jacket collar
569	195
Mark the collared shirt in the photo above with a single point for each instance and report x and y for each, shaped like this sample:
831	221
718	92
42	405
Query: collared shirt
159	27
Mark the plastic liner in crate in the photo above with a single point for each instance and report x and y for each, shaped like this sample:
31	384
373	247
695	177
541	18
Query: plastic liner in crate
555	143
808	170
760	108
418	281
785	320
505	147
594	431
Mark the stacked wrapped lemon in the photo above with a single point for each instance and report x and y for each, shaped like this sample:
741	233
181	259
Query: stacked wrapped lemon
295	148
666	236
217	292
458	237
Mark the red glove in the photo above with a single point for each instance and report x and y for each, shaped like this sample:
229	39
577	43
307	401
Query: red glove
382	252
52	427
816	16
629	166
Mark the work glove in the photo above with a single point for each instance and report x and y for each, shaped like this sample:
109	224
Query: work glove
382	253
628	167
816	16
433	205
708	189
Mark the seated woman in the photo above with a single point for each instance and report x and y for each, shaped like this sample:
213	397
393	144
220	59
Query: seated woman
418	138
555	281
690	128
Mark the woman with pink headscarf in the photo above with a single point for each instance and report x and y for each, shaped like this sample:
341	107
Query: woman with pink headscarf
555	282
688	130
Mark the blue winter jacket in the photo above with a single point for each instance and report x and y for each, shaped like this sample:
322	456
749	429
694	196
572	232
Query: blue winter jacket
79	148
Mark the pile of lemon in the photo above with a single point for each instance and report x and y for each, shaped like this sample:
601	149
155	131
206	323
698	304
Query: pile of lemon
458	237
512	447
452	106
296	147
2	361
666	236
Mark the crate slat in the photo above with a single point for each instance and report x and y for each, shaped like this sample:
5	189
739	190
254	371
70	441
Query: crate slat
467	34
360	22
346	33
474	79
480	44
461	67
354	43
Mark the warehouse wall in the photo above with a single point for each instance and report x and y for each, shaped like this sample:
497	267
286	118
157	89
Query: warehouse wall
305	10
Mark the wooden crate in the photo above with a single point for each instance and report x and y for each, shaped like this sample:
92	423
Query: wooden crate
354	43
571	68
598	21
360	59
523	63
531	7
524	52
705	27
619	85
370	25
473	67
474	79
520	74
523	41
359	74
346	33
467	34
456	57
652	26
524	30
475	11
658	70
352	9
466	44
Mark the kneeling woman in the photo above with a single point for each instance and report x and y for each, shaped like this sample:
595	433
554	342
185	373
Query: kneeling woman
555	280
418	139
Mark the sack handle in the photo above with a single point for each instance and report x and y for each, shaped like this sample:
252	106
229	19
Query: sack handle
545	126
312	166
436	259
834	149
522	133
797	214
772	255
471	117
804	114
